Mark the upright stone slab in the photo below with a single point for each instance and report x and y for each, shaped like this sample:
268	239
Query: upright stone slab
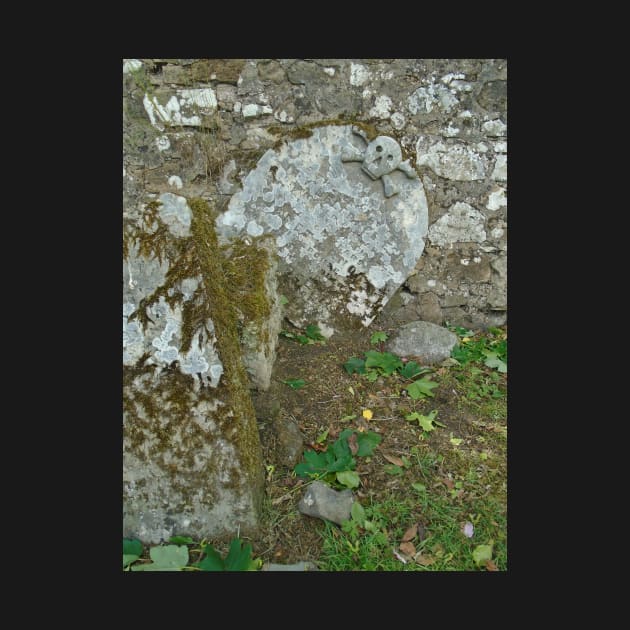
191	451
349	218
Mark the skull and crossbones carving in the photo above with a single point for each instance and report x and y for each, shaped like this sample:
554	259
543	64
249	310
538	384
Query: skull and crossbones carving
380	158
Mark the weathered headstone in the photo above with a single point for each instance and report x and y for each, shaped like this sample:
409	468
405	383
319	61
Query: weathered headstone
191	451
349	217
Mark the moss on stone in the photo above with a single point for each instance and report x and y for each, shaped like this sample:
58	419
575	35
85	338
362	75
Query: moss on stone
159	410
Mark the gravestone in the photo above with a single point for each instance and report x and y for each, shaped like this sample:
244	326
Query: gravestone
349	217
192	461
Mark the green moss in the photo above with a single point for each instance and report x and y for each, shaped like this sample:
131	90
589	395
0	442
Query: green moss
157	411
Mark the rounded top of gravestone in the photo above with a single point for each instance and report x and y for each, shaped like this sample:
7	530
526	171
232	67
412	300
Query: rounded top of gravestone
349	218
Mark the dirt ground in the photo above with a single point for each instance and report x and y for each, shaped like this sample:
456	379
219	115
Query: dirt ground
329	396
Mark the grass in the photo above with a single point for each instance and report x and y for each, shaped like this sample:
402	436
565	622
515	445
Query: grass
448	482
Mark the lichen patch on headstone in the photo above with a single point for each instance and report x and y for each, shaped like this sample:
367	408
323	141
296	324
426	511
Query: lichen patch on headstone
349	217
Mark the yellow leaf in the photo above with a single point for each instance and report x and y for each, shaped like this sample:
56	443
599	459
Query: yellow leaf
465	339
367	414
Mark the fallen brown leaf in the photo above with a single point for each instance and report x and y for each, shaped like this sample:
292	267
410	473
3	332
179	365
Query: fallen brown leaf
448	483
408	548
410	533
425	561
393	459
491	566
352	443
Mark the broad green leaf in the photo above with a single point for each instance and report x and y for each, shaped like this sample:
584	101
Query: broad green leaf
132	546
353	364
358	513
344	463
493	361
165	558
426	422
181	540
128	558
392	469
321	438
295	383
481	554
411	369
283	300
419	487
421	388
212	560
371	375
239	556
456	441
303	339
347	418
367	442
348	478
385	361
378	337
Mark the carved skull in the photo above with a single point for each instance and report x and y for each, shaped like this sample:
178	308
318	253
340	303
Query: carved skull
382	156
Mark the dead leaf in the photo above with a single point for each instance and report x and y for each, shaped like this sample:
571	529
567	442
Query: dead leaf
394	460
491	566
408	548
410	533
425	561
352	443
448	483
401	558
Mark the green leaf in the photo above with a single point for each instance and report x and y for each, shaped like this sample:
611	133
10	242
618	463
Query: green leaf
387	362
128	558
313	332
358	513
303	339
493	361
354	365
419	487
378	337
348	478
481	554
295	383
321	438
411	369
283	300
371	375
239	556
456	441
212	560
132	547
393	469
165	558
181	540
421	388
426	422
370	526
367	442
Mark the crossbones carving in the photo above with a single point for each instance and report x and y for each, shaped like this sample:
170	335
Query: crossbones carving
381	157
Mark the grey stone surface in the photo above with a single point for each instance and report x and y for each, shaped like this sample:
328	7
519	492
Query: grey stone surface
449	117
289	439
321	501
345	246
298	566
423	339
429	308
192	460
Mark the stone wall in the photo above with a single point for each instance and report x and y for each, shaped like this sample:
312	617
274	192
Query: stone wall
198	127
247	179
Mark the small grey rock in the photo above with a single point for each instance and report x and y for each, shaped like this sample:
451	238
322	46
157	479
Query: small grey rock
298	566
423	339
290	442
321	501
